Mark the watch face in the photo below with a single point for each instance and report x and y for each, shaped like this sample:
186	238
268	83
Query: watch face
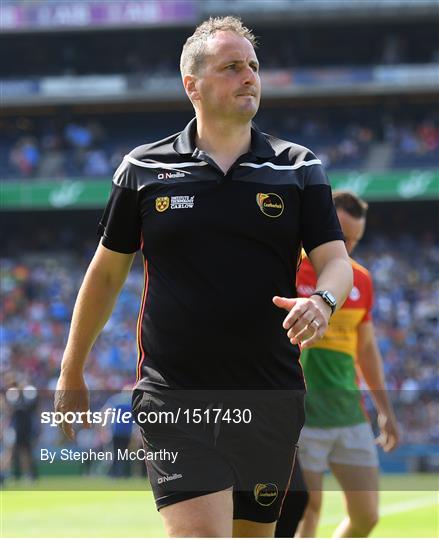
330	298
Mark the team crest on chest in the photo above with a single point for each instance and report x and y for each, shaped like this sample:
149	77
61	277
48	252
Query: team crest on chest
161	204
270	204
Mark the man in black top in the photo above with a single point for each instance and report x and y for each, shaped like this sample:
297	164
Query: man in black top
220	212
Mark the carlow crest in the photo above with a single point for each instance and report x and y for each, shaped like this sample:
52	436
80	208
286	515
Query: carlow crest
161	204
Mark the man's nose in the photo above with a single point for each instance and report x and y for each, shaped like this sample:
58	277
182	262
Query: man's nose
249	76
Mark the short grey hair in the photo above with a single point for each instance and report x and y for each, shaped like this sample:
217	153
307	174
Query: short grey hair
194	50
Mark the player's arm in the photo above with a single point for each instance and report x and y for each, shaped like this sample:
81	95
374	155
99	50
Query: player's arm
370	363
322	240
308	318
334	270
96	298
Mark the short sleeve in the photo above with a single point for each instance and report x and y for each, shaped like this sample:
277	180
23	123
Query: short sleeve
120	225
319	221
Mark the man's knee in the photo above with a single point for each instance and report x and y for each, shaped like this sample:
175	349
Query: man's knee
205	516
363	522
314	505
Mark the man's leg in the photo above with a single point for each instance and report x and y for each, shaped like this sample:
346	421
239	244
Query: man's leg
360	486
264	462
315	445
193	491
242	528
308	526
293	506
17	457
205	516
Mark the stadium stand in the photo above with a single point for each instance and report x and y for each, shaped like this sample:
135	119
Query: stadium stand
93	146
135	52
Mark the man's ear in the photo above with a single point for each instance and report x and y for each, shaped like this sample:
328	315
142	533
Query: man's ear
190	86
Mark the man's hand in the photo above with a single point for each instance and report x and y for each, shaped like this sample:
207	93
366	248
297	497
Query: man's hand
388	438
71	395
307	319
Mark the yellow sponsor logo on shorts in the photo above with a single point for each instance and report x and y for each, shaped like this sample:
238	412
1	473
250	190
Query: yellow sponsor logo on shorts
265	494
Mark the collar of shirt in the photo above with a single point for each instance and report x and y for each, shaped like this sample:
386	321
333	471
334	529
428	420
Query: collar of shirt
185	142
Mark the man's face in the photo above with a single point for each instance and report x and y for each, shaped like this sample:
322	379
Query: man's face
353	229
228	84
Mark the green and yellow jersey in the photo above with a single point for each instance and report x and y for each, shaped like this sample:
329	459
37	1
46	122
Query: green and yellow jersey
333	398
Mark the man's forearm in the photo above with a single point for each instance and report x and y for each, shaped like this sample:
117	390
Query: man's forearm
336	277
371	368
96	298
382	402
93	308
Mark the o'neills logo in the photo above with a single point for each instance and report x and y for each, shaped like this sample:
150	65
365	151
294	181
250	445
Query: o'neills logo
174	476
265	494
270	204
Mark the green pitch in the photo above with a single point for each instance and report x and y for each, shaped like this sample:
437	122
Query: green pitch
128	512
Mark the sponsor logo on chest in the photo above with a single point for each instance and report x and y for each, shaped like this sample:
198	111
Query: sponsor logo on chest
182	201
178	202
354	294
270	204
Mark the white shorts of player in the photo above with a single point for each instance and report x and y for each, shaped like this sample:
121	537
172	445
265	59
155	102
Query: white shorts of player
351	445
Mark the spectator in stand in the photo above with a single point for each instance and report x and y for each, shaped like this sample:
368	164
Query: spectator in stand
25	156
428	134
96	163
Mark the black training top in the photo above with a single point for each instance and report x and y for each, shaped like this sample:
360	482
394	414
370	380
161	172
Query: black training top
217	248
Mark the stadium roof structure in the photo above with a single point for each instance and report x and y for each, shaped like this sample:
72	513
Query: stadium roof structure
86	15
300	10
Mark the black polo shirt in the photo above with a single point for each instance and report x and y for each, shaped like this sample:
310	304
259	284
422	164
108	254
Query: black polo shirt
217	247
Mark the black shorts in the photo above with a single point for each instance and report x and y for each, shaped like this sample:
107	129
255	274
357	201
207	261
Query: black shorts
199	446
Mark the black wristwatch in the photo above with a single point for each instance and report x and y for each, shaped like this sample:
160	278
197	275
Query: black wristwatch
328	298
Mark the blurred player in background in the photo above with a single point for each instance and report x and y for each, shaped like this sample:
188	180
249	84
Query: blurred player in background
22	399
337	432
121	432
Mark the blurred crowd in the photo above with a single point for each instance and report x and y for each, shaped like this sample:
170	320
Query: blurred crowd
406	314
54	150
38	293
93	147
